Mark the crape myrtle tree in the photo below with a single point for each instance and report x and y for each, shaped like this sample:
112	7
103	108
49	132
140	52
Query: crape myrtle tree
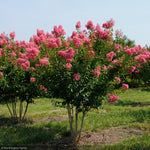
18	84
82	69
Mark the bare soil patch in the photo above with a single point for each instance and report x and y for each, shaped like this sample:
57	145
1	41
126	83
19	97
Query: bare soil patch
110	136
51	119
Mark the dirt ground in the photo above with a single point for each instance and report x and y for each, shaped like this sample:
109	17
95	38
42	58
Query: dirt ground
109	136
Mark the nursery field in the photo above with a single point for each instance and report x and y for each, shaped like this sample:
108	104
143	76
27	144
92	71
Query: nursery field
115	126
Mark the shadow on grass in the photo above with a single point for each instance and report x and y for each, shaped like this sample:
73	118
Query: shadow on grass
146	89
131	103
40	136
7	121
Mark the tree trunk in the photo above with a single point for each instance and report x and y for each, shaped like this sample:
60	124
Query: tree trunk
9	110
70	120
81	126
25	111
21	110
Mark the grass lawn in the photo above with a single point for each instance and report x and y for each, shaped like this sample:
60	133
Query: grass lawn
124	124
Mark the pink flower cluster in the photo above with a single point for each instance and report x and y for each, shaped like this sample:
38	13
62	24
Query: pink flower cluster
32	79
101	33
32	53
90	54
44	61
78	42
12	35
97	72
109	24
118	79
67	54
43	88
118	33
58	31
1	52
53	42
76	77
134	50
111	55
132	69
78	25
90	25
142	58
125	87
68	66
112	98
104	67
25	64
79	39
3	39
50	40
1	74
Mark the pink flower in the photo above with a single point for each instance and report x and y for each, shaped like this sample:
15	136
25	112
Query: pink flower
118	79
118	33
125	87
43	88
76	77
137	71
12	35
32	79
68	66
33	69
58	31
21	55
3	42
104	67
110	55
109	24
90	25
44	61
37	65
129	52
110	66
112	98
1	74
102	34
132	69
97	72
90	54
67	54
1	51
32	53
141	58
78	25
77	41
25	64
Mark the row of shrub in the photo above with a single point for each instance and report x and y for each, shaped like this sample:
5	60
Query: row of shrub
81	70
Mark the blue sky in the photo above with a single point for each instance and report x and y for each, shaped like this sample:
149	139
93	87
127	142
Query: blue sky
26	16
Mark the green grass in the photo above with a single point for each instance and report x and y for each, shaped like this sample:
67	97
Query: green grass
131	111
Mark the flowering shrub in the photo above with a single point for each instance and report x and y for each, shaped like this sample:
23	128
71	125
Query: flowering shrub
82	69
17	76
